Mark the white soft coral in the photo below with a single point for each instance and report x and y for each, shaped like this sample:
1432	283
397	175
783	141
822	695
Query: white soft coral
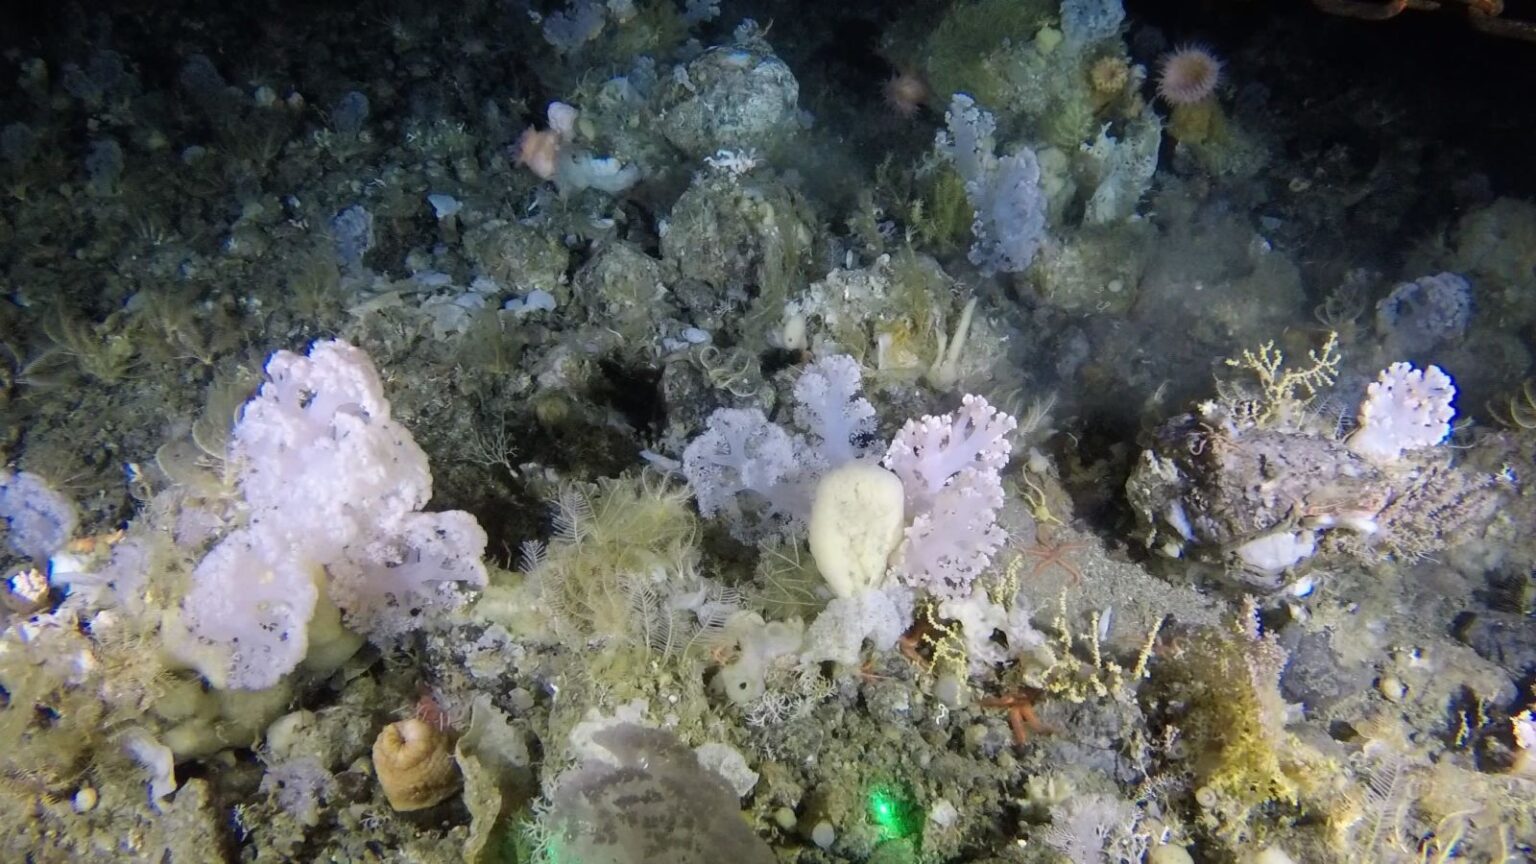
332	489
420	569
829	406
739	467
761	477
317	447
951	467
765	480
1404	409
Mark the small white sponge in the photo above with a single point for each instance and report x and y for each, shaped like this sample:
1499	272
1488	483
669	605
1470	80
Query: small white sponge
857	520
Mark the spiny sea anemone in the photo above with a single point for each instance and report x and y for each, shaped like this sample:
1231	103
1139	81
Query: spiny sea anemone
1188	75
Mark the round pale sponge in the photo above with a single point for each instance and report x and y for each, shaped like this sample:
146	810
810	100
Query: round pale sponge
857	520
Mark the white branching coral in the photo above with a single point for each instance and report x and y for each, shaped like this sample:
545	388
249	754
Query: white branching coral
760	476
1405	409
1091	829
950	468
1004	192
740	452
827	402
942	512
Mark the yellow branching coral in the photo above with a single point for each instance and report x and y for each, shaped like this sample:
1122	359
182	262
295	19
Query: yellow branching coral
949	654
1098	675
1283	391
936	644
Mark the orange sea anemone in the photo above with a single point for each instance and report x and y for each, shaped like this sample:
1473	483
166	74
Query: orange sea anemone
905	93
1188	75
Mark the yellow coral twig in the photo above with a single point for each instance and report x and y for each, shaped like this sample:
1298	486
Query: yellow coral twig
1100	676
1008	586
943	638
949	654
1283	389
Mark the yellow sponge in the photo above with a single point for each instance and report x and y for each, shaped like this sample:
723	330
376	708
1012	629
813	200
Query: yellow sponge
856	523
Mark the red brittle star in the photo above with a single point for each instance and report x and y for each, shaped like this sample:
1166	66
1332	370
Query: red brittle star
1048	554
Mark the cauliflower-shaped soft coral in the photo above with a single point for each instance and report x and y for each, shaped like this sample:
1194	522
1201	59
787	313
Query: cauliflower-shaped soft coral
950	468
317	449
1005	193
759	475
828	404
1404	409
426	566
249	612
332	489
738	468
40	520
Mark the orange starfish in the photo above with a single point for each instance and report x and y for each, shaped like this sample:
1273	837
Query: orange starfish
1022	719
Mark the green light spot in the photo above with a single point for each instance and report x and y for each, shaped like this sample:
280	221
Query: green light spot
892	812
